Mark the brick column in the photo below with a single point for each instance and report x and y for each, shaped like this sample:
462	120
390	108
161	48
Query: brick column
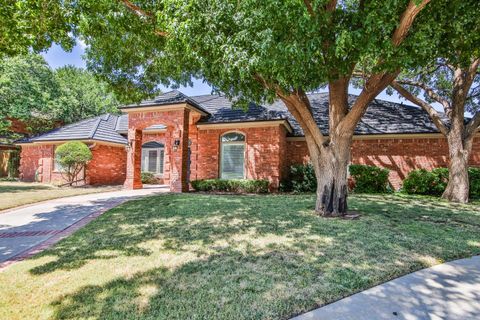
178	166
134	158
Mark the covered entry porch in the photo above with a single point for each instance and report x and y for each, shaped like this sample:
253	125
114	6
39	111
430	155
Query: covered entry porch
158	142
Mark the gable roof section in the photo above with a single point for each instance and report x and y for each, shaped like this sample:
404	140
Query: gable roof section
168	98
101	128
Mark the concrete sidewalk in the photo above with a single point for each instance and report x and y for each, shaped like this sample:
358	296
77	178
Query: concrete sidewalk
447	291
27	227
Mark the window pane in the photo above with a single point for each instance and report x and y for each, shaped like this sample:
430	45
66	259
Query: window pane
144	160
233	161
152	160
233	137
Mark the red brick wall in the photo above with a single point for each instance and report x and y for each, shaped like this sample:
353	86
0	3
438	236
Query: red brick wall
35	158
264	154
108	165
400	156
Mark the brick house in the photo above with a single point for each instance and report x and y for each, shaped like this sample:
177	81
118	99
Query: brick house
181	138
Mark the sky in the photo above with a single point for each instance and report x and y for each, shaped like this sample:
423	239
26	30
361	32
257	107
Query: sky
57	57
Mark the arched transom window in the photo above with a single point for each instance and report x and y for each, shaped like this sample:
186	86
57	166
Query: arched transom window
232	158
152	157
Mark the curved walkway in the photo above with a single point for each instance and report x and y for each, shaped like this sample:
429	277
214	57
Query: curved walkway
447	291
28	230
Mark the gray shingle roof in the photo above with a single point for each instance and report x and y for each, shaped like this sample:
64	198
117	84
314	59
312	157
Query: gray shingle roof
101	128
382	117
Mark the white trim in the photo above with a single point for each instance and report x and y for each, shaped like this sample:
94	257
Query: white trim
245	124
243	143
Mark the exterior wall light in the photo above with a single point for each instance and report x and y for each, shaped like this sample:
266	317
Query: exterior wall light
176	144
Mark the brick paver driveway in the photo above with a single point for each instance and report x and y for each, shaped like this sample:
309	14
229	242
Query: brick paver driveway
29	227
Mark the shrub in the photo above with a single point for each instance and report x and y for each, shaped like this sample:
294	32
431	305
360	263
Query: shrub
148	178
474	177
301	178
434	182
233	185
369	179
72	158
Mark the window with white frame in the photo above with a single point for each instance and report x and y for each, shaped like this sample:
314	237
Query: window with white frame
153	154
232	157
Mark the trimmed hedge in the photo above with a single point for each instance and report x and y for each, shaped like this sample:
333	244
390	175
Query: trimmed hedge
232	185
148	178
301	179
434	182
369	179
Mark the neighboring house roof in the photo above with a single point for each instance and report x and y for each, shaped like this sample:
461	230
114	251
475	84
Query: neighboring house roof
382	117
168	98
101	128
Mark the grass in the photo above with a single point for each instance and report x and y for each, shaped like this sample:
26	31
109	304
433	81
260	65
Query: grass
15	194
192	256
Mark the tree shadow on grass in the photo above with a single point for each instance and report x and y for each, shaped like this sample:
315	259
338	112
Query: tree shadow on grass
210	223
254	256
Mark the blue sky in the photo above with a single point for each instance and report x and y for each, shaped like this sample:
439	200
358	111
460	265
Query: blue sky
57	57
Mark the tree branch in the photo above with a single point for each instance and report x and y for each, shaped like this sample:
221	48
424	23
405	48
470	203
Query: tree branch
299	106
309	6
142	14
379	81
471	73
406	21
429	91
473	125
434	115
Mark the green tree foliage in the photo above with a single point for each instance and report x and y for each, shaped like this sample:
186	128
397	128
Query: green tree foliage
451	80
72	158
34	24
82	96
43	98
28	91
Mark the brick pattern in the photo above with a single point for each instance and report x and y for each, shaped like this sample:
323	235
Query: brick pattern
175	166
108	165
400	156
264	154
36	163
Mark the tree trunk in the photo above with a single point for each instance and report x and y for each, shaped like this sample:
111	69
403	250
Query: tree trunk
330	163
458	185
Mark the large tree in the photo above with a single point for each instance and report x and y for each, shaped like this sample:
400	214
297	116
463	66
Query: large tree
43	98
82	95
451	81
455	88
265	50
27	91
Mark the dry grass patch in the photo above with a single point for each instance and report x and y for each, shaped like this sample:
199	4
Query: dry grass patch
15	194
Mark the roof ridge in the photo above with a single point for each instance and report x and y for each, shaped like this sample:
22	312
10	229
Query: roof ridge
95	128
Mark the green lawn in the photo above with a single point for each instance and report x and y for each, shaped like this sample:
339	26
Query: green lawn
192	256
14	194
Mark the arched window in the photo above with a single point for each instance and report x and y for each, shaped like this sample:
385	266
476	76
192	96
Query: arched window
232	157
152	157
